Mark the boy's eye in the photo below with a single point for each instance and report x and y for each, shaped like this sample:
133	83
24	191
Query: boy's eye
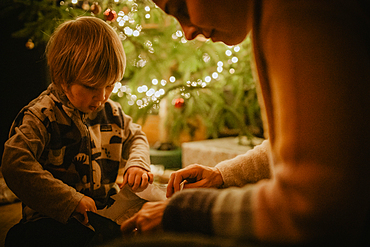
111	85
90	88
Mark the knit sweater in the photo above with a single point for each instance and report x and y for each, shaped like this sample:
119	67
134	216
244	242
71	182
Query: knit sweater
312	59
55	155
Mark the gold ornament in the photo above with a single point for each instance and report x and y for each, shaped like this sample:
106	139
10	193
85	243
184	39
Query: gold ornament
30	45
95	8
85	6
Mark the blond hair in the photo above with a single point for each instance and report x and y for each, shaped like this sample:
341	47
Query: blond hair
86	51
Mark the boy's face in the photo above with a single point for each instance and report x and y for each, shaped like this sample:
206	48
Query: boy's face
88	99
218	20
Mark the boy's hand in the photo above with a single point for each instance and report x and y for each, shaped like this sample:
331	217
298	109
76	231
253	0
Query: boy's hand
86	204
137	178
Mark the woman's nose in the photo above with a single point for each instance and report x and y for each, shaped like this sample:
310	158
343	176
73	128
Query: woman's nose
190	32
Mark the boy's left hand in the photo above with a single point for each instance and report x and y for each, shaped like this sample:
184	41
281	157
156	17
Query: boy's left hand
137	178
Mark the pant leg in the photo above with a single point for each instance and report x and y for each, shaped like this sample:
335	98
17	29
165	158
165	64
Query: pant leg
49	232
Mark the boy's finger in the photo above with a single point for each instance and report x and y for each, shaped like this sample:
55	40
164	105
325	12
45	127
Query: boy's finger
150	177
137	183
144	179
124	182
86	218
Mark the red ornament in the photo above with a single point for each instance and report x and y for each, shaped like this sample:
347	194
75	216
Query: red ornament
179	103
110	15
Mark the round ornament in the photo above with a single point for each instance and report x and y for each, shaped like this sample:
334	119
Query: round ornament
95	8
85	5
179	103
110	15
30	45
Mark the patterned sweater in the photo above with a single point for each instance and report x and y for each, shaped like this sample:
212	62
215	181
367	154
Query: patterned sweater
313	60
55	154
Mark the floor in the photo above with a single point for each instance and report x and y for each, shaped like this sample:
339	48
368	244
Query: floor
10	214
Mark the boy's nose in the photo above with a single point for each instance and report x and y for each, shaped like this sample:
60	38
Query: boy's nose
100	94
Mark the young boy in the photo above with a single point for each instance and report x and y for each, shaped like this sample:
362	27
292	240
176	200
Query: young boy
67	146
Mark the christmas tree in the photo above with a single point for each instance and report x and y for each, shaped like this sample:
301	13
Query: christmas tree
189	83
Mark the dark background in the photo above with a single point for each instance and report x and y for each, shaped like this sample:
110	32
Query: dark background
23	72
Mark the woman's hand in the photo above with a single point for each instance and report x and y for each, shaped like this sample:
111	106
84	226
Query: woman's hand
86	204
194	176
148	219
137	178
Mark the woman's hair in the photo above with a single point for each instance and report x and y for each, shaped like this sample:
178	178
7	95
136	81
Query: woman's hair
86	51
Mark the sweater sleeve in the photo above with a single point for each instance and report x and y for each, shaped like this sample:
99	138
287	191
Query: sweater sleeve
246	168
25	176
136	145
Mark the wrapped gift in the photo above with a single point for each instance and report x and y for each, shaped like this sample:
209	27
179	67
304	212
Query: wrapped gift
211	152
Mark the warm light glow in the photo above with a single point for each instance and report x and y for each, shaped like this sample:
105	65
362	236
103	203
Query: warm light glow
128	31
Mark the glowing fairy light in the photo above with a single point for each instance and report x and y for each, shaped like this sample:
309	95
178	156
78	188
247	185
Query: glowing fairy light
163	82
219	69
74	1
214	75
161	91
172	79
154	81
208	79
236	48
150	92
136	33
147	8
220	64
128	31
206	57
232	71
228	53
123	89
234	59
147	16
117	86
157	94
179	33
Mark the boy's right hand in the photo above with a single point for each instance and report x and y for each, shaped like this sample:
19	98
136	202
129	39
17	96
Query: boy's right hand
86	204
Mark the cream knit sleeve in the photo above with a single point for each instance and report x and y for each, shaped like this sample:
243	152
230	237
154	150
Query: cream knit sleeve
246	168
